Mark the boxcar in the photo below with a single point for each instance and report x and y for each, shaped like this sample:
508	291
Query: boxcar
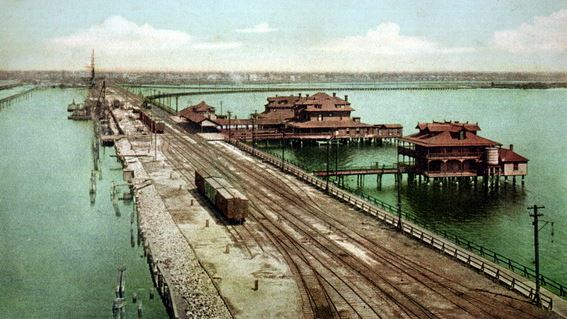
159	126
155	126
232	204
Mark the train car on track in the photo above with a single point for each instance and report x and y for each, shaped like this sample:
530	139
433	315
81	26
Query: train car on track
155	126
232	204
159	126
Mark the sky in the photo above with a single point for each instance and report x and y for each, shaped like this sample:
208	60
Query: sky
294	35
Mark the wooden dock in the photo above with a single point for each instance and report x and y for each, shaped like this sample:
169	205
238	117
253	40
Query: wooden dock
360	171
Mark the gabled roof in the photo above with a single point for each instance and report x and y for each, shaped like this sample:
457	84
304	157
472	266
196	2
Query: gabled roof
282	101
445	138
198	112
279	115
323	102
448	126
201	107
448	134
509	156
197	117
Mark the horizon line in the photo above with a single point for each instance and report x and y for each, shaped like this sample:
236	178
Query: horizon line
280	72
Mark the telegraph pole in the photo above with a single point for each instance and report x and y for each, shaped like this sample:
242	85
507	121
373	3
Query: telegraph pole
399	191
336	157
155	144
283	148
229	115
535	215
176	104
254	120
327	176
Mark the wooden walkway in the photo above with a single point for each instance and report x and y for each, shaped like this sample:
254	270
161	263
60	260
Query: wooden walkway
364	171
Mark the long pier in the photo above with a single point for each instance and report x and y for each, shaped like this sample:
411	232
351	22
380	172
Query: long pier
299	88
8	100
9	86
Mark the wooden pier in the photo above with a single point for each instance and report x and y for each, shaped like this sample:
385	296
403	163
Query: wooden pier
364	171
360	172
7	100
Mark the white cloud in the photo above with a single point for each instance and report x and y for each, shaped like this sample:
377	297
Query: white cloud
216	45
387	40
259	28
116	34
546	34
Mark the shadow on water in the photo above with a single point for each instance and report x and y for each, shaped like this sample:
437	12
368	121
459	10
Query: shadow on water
457	203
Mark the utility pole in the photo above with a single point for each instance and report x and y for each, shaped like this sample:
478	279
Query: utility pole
327	176
254	119
176	104
283	149
155	144
336	159
535	223
229	115
399	191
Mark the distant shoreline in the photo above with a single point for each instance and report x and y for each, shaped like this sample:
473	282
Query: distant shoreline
301	86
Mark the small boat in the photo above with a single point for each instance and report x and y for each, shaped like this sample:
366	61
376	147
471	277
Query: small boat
74	106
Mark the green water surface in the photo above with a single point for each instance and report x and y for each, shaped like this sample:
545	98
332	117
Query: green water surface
59	254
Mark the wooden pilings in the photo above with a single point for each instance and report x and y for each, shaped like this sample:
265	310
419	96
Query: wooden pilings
12	98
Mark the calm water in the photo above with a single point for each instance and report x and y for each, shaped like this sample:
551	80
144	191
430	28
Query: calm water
59	255
532	120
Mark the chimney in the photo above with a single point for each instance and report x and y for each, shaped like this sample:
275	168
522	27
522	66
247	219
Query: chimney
306	95
346	98
299	94
511	147
334	94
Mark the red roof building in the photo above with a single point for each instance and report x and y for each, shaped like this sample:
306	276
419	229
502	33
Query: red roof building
451	149
323	115
319	116
201	116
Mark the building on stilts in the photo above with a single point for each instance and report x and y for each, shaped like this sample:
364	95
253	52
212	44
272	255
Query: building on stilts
452	150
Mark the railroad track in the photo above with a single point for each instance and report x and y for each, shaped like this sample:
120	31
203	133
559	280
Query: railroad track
321	264
309	297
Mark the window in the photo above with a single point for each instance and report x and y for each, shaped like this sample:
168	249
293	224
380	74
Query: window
516	166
